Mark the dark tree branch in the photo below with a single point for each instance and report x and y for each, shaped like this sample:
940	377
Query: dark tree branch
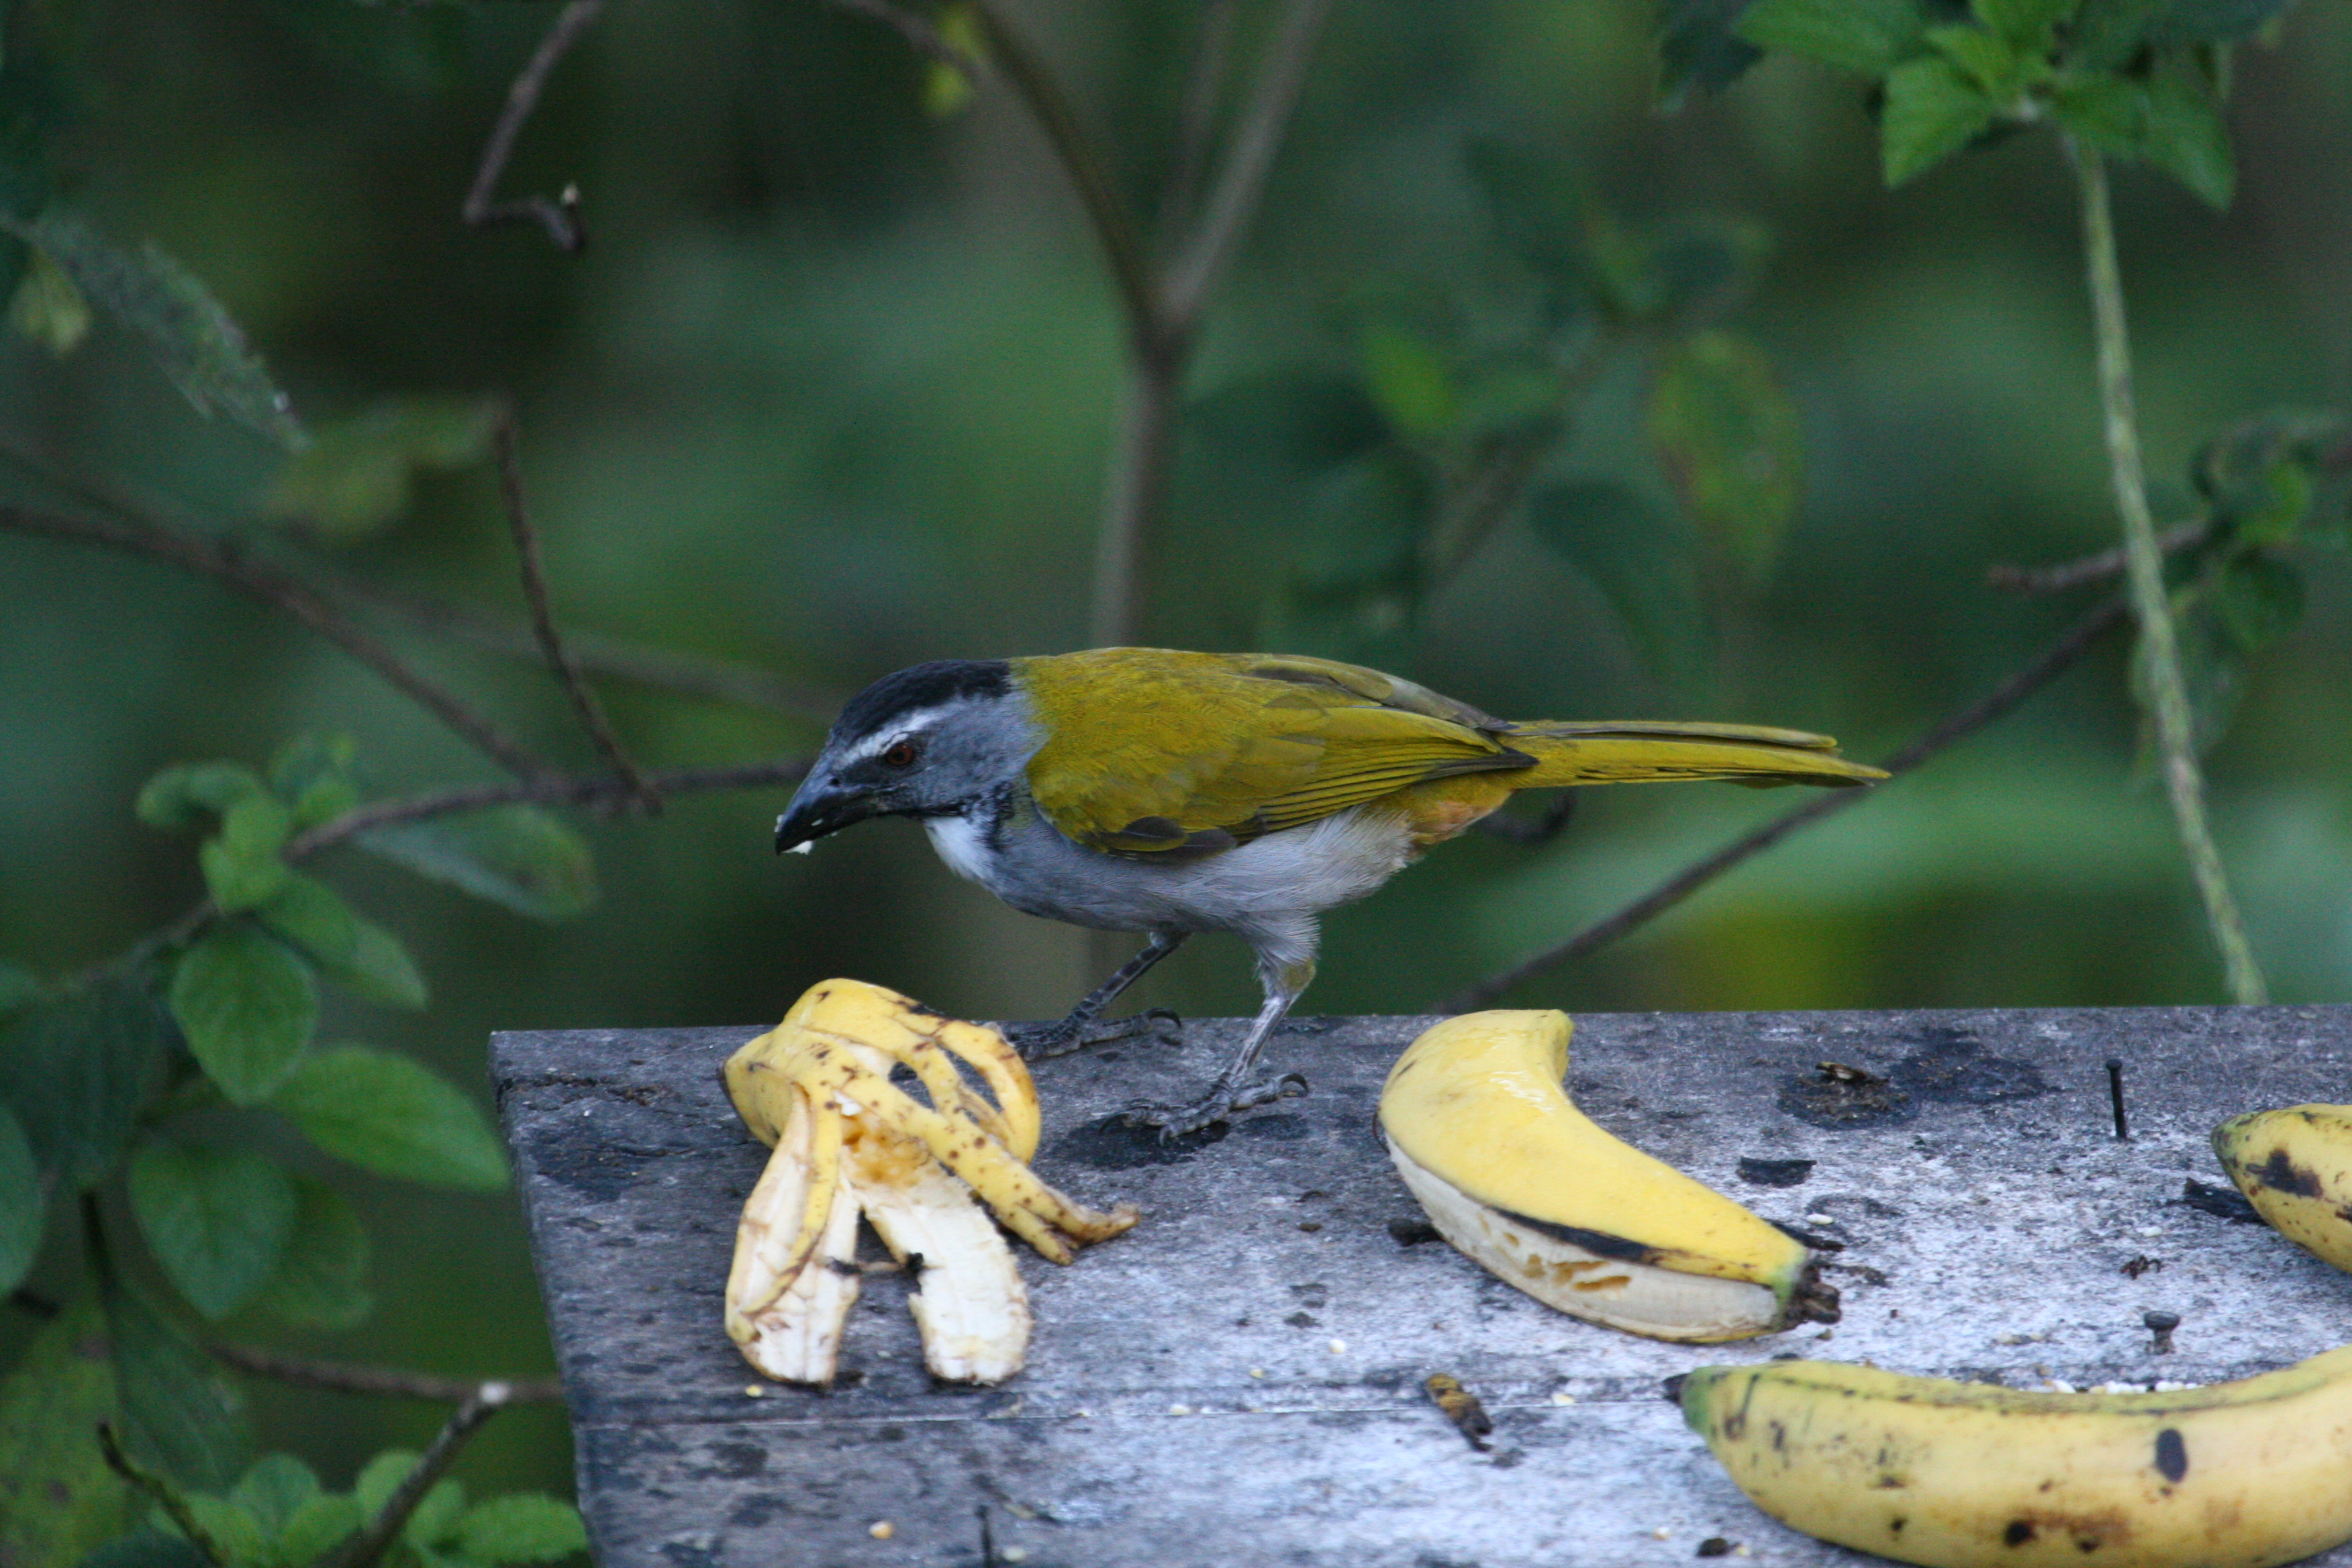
375	1537
2053	661
392	1382
542	618
2101	566
559	218
222	560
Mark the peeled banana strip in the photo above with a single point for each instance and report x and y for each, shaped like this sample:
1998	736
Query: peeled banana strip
1953	1475
2295	1165
1516	1176
787	1217
795	1333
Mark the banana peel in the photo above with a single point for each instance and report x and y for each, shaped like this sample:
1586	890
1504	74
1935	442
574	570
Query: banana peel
847	1142
2295	1165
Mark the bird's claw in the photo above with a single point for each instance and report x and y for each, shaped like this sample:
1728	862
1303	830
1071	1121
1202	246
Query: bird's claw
1217	1105
1037	1042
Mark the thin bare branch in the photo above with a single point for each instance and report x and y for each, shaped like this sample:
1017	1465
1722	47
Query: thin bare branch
223	561
1233	200
375	1537
2101	566
394	1382
2051	662
165	1496
542	619
921	36
1196	117
559	218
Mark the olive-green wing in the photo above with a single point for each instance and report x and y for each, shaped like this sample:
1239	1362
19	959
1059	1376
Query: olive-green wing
1155	752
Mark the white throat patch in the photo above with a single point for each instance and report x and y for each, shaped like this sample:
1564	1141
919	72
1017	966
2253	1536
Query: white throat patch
964	845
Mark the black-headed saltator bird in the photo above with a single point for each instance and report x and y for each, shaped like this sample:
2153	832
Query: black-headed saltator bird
1148	790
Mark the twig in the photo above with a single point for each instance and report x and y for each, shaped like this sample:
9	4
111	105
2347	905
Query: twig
2098	567
167	1497
2159	664
921	36
376	1536
393	1382
559	218
1196	117
2053	661
542	619
224	560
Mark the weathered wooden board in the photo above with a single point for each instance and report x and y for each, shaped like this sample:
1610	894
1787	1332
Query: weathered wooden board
1237	1381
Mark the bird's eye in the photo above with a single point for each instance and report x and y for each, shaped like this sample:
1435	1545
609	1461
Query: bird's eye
899	755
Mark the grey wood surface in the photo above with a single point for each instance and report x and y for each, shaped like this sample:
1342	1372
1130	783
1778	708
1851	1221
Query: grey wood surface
1237	1381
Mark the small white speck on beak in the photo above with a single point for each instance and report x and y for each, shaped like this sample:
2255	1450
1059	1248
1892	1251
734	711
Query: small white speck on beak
803	848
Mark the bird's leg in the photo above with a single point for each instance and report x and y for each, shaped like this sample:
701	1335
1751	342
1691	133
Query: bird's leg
1037	1041
1234	1089
1542	829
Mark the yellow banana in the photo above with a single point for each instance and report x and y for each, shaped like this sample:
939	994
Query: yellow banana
1954	1475
1513	1175
2295	1167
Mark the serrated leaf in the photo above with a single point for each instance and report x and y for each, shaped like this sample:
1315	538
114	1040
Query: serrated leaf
1932	111
358	477
216	1218
1729	440
48	308
183	795
2104	111
199	347
321	1281
76	1071
392	1114
1988	61
2185	135
380	1477
1866	36
1633	557
273	1488
2025	23
241	863
1698	47
348	948
521	1527
23	1204
515	855
180	1413
2257	599
316	1525
146	1548
57	1499
1410	381
246	1006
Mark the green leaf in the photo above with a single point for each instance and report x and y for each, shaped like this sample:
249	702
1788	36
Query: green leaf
231	1528
77	1070
2185	135
2106	34
521	1527
2024	22
321	1281
380	1477
183	795
316	1525
1699	265
2107	113
24	1203
1866	36
1288	424
1729	440
1698	48
392	1114
948	89
194	341
57	1499
273	1489
179	1412
350	951
357	477
1932	111
436	1514
1409	380
146	1549
2271	477
241	862
1633	557
517	856
1988	61
1540	212
246	1006
47	308
216	1218
1355	579
2257	599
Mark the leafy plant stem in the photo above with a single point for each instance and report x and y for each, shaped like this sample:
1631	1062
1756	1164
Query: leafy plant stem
375	1538
167	1497
2167	693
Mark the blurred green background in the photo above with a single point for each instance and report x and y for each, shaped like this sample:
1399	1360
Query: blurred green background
832	391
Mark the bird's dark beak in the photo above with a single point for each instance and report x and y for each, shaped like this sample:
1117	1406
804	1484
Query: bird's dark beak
818	809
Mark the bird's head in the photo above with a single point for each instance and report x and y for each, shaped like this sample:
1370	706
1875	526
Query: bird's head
925	741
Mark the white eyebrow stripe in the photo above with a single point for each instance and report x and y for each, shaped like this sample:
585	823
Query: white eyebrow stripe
912	723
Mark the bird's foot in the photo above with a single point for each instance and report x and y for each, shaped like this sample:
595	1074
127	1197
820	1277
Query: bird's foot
1217	1105
1035	1042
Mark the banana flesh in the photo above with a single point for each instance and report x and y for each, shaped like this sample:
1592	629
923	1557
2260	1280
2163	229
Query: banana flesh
846	1140
1515	1176
1953	1475
2295	1165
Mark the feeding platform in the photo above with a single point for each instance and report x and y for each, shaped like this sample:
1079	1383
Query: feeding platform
1239	1380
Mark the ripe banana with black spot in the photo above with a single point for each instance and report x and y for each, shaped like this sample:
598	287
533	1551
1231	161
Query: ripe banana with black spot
1955	1475
1515	1176
2294	1166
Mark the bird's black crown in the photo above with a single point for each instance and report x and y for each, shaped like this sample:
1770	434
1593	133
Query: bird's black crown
918	687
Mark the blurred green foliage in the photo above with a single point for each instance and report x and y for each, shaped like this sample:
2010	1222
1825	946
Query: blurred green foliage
1518	387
